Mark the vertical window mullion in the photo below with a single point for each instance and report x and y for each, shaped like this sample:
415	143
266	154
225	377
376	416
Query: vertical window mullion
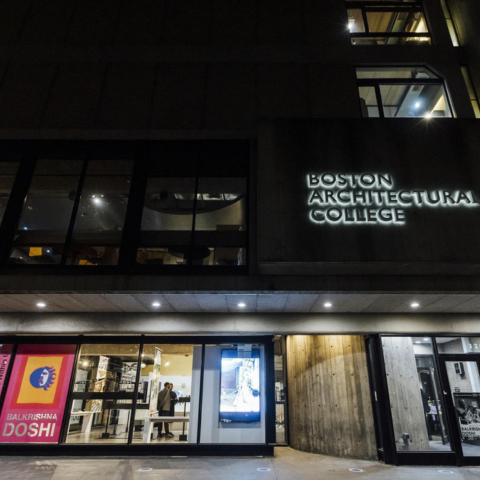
192	237
379	100
365	19
135	396
76	204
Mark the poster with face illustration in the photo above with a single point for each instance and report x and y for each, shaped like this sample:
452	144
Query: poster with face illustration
36	394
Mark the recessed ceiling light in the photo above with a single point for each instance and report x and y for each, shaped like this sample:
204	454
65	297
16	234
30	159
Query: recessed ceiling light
155	304
328	304
41	304
426	339
414	304
167	364
417	105
242	305
418	342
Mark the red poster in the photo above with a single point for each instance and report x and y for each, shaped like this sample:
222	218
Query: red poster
37	393
5	353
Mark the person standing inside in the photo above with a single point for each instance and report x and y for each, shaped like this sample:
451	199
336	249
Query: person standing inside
163	406
173	402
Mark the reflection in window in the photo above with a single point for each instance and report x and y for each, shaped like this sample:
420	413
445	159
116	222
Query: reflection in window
43	226
416	399
280	390
101	213
401	92
395	23
97	416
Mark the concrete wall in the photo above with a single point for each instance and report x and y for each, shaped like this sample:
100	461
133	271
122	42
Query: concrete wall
329	403
418	154
188	65
230	323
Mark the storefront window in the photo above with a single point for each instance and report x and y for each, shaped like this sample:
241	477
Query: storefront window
280	391
166	390
37	393
233	406
416	400
103	394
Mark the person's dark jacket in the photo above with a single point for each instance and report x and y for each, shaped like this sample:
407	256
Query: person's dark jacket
161	399
173	402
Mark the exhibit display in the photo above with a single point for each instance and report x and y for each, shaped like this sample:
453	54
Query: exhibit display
240	387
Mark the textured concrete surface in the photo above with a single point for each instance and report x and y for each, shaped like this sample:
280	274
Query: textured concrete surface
286	465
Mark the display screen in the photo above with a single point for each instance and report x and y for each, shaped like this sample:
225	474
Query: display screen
240	386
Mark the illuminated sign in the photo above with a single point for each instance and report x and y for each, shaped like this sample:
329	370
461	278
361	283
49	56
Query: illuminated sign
369	198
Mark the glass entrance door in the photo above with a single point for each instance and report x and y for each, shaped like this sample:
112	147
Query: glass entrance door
461	379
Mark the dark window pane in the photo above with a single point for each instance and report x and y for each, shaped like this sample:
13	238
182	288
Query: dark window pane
47	211
221	204
169	204
8	171
101	213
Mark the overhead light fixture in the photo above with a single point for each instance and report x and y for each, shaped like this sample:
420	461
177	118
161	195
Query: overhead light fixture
415	305
97	201
428	115
143	365
426	339
418	342
417	105
85	363
41	304
155	304
167	364
327	304
242	305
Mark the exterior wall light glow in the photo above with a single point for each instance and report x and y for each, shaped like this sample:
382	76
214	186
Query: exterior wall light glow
155	304
242	305
415	305
41	305
328	304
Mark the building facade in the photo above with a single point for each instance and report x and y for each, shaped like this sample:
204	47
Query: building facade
274	207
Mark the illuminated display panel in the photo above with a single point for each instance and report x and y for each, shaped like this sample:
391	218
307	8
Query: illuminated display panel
240	386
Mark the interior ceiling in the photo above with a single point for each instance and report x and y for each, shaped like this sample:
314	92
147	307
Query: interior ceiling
254	303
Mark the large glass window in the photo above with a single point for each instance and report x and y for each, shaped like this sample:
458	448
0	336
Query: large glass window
401	92
103	394
416	399
392	22
194	215
60	196
101	213
166	390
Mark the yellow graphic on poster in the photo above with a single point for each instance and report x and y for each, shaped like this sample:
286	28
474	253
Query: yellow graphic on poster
40	380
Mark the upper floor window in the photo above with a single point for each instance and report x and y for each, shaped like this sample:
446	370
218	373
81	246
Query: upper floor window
383	22
402	92
142	207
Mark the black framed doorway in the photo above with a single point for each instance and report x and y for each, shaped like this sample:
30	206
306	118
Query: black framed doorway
460	374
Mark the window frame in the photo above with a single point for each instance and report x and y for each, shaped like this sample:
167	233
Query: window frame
144	154
378	6
376	83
